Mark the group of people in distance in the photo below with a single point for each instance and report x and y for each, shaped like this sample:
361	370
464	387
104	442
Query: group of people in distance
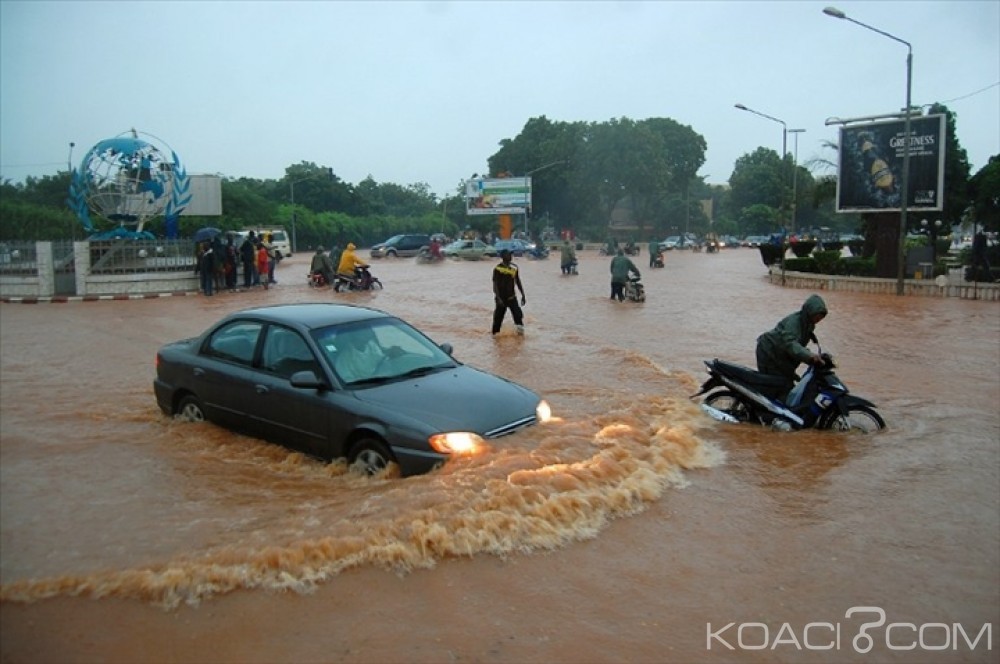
218	265
779	351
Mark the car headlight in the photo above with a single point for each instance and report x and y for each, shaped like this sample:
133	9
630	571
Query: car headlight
456	442
543	412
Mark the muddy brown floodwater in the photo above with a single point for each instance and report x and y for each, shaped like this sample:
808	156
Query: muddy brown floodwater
633	529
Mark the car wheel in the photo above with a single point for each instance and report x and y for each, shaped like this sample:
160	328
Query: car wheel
369	455
190	409
391	253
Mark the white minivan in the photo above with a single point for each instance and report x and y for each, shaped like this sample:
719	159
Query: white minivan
279	240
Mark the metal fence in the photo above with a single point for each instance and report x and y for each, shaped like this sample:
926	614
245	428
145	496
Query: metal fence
19	258
134	256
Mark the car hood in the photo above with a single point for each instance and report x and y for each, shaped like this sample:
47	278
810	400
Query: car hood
457	399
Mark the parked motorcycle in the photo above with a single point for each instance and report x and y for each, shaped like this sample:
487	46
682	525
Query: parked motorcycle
361	280
735	393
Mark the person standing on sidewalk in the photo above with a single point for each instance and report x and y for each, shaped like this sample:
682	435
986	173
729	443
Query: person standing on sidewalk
248	254
263	263
505	280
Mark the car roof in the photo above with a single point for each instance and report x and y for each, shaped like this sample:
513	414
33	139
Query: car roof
310	315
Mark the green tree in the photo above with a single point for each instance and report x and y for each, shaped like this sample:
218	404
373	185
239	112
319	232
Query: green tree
758	219
956	173
984	192
758	178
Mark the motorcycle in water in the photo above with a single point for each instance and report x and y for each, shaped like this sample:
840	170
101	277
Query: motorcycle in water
634	290
538	253
426	256
316	280
629	249
361	280
819	400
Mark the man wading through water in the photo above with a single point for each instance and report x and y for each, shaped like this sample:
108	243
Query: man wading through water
505	279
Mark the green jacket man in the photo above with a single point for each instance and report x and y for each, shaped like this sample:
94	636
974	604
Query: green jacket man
621	267
781	350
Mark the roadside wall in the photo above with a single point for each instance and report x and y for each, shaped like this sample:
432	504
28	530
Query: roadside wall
952	285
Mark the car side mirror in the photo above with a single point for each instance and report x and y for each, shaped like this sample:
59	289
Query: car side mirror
447	347
307	380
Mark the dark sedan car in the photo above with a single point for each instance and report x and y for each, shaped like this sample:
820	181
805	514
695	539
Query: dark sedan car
340	381
515	246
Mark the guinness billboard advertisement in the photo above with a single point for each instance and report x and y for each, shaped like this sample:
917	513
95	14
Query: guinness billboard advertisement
870	175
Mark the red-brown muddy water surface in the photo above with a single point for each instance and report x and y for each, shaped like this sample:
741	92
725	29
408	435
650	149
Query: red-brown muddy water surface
630	530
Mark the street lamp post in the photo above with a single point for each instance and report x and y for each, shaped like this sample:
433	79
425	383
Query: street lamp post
784	151
904	185
295	247
687	208
535	170
795	177
784	127
291	186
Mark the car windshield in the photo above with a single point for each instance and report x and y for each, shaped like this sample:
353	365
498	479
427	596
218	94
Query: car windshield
378	351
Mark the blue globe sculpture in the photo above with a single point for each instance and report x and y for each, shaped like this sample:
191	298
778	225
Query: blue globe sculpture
129	180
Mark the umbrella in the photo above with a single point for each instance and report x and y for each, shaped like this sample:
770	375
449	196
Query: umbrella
206	233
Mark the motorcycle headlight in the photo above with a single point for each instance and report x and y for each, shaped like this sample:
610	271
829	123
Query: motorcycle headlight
456	442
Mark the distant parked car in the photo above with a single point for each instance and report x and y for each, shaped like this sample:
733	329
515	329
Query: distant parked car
340	381
401	246
470	250
515	246
671	242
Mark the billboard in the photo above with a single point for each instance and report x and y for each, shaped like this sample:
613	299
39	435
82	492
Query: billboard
497	195
206	196
869	177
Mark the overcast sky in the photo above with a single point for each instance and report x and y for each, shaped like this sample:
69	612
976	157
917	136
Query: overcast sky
414	91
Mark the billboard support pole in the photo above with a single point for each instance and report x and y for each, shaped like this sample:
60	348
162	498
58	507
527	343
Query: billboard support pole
901	257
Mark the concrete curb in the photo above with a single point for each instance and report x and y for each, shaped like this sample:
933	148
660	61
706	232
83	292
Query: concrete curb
61	299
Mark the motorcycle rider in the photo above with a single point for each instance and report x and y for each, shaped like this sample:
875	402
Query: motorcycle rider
349	262
435	250
782	349
321	264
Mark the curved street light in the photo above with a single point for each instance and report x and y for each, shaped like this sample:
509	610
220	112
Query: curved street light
535	170
784	127
784	151
904	184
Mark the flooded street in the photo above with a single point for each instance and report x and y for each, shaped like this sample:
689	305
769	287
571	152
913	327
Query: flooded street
629	530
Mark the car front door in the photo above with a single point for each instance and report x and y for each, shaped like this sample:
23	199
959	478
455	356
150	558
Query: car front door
224	377
297	417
